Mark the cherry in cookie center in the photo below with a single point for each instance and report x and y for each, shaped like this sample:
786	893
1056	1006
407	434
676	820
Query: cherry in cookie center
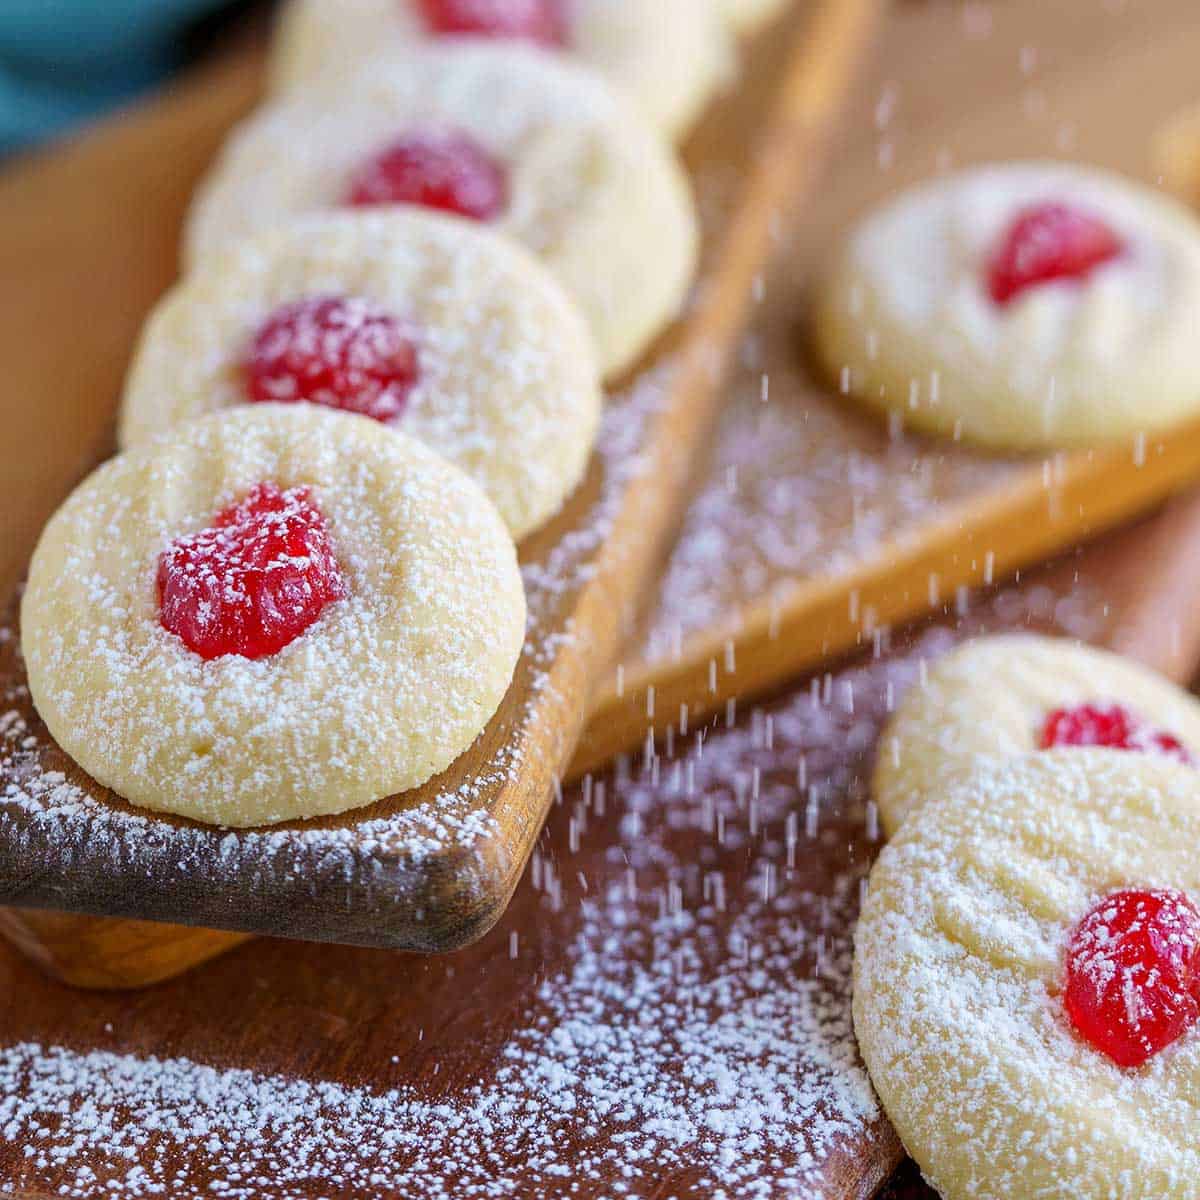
1050	242
1111	725
442	169
255	580
1132	976
543	22
340	351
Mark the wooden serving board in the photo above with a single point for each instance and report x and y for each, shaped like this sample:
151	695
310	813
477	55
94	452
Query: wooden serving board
434	868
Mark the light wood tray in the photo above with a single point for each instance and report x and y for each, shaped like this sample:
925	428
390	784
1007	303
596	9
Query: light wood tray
434	868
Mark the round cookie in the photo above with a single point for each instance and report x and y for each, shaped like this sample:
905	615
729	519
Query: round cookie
504	382
1026	305
164	639
668	57
991	699
746	17
962	954
584	183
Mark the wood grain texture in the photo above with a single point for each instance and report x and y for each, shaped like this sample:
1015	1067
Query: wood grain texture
814	620
111	952
434	868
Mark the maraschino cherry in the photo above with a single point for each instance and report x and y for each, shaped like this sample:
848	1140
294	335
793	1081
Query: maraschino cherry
340	351
253	581
1132	983
440	169
1108	725
540	21
1048	242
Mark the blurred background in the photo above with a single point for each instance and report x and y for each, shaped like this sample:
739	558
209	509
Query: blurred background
64	61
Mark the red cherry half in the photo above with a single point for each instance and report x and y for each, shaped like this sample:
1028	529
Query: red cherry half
1108	725
434	169
540	21
1048	242
253	581
1132	982
343	352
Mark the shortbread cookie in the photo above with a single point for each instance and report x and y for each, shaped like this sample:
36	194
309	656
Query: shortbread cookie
668	57
434	327
1006	695
1027	980
749	16
1027	305
536	146
272	612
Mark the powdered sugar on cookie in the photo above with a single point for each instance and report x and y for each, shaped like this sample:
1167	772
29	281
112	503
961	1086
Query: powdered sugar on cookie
592	191
503	380
389	683
959	975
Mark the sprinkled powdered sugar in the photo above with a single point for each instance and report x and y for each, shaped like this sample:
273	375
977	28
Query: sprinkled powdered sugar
799	486
625	1069
690	1035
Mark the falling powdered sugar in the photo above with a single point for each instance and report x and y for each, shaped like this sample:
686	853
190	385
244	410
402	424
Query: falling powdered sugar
691	1038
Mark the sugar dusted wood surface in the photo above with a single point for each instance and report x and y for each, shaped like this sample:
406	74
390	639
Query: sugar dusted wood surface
665	1003
369	1021
664	1006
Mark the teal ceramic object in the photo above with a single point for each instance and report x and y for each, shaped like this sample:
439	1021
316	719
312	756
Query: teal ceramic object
61	60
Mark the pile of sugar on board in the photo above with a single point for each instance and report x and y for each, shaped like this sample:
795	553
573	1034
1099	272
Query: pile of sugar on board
684	1029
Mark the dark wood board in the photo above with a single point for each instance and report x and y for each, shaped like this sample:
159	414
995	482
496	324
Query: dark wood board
680	944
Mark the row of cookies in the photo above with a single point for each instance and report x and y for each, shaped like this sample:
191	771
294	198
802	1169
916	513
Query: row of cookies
1027	960
296	590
